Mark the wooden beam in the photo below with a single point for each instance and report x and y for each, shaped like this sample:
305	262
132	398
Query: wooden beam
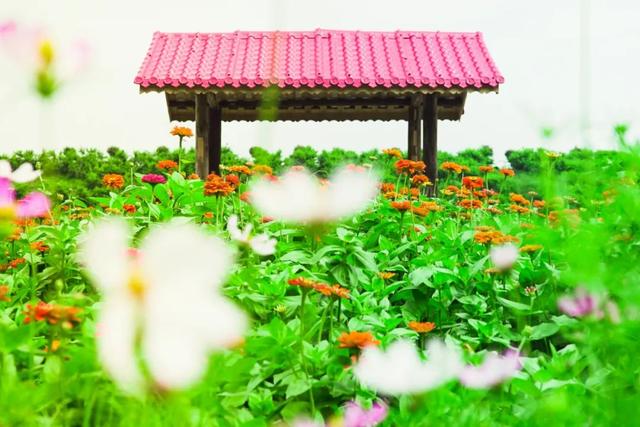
414	134
430	140
202	136
215	138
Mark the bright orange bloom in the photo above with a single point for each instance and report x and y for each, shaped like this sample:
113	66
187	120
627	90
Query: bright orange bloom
331	291
519	199
409	166
216	186
232	179
486	235
323	288
494	210
530	248
129	208
470	204
113	181
263	169
4	290
422	327
193	177
207	215
472	182
425	208
167	165
386	187
385	275
357	340
420	180
402	206
519	209
486	169
539	203
340	292
451	166
303	282
507	172
53	314
181	131
240	169
393	152
246	197
39	246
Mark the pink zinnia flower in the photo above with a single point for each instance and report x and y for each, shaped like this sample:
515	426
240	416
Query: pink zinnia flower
493	370
153	178
580	304
33	205
356	416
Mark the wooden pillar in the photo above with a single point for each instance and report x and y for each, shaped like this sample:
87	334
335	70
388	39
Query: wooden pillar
202	136
208	136
430	140
215	138
413	140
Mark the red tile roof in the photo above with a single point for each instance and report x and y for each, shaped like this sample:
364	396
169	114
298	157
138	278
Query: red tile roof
321	58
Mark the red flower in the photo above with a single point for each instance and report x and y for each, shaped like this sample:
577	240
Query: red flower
472	182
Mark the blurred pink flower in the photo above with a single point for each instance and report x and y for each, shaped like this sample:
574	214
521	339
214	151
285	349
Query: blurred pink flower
492	371
32	205
356	416
580	304
152	178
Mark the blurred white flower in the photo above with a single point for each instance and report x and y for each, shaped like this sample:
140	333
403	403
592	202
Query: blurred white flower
162	301
24	172
300	197
493	370
504	256
400	369
260	244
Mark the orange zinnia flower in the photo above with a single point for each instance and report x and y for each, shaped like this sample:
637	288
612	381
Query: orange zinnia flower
386	275
113	181
470	204
167	165
4	290
486	169
232	179
39	246
519	209
539	203
472	182
402	206
193	177
420	180
129	208
451	166
409	166
393	152
507	172
303	282
357	340
422	327
530	248
387	187
217	186
181	131
240	169
519	199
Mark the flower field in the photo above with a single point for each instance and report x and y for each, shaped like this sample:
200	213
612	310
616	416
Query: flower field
359	296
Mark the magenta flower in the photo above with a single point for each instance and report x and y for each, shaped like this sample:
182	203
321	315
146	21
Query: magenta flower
153	178
493	370
33	205
356	416
580	304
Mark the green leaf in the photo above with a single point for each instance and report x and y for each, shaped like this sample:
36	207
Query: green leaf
297	386
421	275
514	305
543	330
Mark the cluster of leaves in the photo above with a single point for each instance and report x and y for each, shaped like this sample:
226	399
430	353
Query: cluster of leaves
576	371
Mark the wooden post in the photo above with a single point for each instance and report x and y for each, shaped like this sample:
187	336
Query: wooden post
413	141
215	138
202	136
430	140
208	136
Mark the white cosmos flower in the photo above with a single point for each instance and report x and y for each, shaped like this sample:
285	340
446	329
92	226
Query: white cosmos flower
164	303
400	369
300	197
260	244
494	369
504	256
24	172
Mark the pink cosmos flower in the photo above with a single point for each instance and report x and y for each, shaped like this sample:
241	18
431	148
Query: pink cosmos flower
356	416
31	206
580	304
153	178
493	370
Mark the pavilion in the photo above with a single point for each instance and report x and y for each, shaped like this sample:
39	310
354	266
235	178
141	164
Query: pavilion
319	75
